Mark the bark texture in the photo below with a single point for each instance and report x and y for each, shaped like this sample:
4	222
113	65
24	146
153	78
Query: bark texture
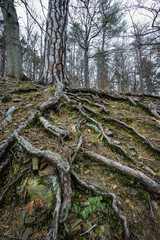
55	43
12	41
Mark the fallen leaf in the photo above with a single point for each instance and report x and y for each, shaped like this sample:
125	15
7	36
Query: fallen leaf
39	201
30	207
42	165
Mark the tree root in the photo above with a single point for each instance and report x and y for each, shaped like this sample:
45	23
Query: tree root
114	203
58	132
4	164
11	184
4	144
8	117
110	143
78	147
89	102
151	145
62	167
53	232
151	184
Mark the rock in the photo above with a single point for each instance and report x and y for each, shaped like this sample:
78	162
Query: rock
6	98
36	190
115	187
109	133
133	153
49	170
17	100
87	172
130	147
155	205
117	142
73	129
75	227
106	229
29	105
35	162
30	219
27	233
150	170
151	164
22	217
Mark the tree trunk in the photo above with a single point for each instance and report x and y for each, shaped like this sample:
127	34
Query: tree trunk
55	43
12	41
86	70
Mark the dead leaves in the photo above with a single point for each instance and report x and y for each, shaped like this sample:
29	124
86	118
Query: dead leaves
31	205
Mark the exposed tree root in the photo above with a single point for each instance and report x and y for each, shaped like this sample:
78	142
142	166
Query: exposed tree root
4	144
53	232
62	167
11	184
52	101
4	164
110	143
151	145
77	148
89	102
58	132
151	184
114	203
8	117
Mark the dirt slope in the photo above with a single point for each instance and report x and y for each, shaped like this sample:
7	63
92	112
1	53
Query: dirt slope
118	157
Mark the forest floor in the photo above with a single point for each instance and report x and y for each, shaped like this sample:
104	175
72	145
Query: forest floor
100	130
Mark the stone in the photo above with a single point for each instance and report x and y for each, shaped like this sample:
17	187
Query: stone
21	219
29	105
117	142
109	133
36	190
17	100
35	162
49	170
27	233
30	219
130	147
115	187
150	170
133	153
87	172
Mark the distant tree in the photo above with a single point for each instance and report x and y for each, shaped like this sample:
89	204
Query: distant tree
87	25
12	40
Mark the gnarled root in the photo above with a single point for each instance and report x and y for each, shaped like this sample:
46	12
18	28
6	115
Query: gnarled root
151	184
114	203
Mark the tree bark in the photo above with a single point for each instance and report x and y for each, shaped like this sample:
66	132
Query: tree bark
12	41
86	70
55	43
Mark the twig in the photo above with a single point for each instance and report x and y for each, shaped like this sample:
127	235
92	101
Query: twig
150	205
77	148
95	225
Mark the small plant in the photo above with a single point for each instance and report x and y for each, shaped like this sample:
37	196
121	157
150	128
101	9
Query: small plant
94	203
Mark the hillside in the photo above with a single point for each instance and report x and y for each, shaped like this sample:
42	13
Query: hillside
84	167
